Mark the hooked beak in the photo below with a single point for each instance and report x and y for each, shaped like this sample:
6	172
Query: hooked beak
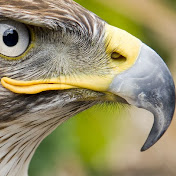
143	80
148	85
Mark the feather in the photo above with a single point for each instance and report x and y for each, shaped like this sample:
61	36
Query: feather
61	14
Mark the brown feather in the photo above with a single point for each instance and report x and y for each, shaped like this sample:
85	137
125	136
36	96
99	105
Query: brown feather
25	120
55	14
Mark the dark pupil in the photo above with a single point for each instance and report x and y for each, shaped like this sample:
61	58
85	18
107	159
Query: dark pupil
10	37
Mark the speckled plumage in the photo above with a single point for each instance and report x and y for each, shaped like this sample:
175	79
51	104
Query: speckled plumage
19	138
58	59
69	40
55	14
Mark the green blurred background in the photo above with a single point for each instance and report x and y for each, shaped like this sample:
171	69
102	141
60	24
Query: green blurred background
106	140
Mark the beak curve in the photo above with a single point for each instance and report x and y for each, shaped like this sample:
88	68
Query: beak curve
148	85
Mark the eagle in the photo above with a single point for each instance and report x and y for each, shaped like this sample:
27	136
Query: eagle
58	59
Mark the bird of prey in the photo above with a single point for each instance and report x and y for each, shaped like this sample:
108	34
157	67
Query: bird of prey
58	59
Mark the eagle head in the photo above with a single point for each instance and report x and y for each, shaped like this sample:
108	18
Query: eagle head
58	59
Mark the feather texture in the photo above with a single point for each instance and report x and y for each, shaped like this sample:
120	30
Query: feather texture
68	41
57	15
19	138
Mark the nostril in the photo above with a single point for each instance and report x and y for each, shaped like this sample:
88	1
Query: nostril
115	55
118	57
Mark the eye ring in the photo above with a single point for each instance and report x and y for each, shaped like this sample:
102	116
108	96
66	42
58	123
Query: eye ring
16	39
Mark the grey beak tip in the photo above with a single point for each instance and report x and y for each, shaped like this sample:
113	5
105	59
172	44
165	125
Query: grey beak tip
161	122
149	143
146	147
143	149
149	86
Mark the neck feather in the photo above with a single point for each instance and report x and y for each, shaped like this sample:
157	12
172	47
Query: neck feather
19	140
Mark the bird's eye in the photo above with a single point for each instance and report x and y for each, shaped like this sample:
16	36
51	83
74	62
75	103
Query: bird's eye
14	38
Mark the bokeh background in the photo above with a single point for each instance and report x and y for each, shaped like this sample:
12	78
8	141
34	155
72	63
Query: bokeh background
106	140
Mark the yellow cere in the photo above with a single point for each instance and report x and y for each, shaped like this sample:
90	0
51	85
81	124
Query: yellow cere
123	43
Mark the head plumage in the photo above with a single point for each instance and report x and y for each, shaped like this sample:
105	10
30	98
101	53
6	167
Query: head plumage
62	14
